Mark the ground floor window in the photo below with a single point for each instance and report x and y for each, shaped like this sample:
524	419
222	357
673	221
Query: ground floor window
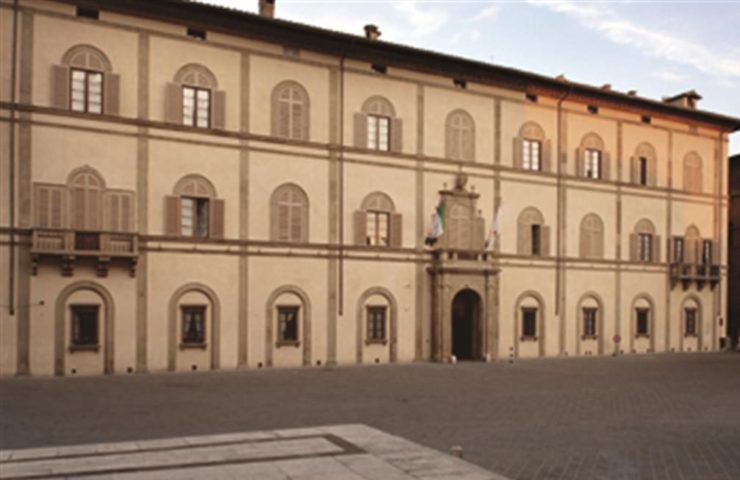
690	318
288	324
529	323
193	325
643	322
85	325
589	322
376	321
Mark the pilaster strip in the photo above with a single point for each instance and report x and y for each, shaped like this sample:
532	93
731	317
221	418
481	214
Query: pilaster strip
421	283
497	201
560	271
618	242
332	277
243	293
669	230
719	159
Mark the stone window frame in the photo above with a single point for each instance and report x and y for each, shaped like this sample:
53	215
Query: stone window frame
693	172
369	337
460	136
280	341
87	58
647	151
643	228
379	106
379	202
213	322
75	343
529	310
532	131
691	302
203	341
592	141
591	241
642	301
593	333
197	76
648	313
199	187
591	299
303	215
524	300
295	129
528	217
304	327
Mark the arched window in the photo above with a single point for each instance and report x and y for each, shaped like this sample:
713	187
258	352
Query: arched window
194	210
460	136
592	237
288	325
290	111
692	173
592	161
193	99
644	243
590	313
531	148
691	313
376	223
529	313
644	165
376	126
289	214
533	235
642	311
692	245
84	82
86	196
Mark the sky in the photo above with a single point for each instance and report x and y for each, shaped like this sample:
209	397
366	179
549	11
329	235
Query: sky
659	47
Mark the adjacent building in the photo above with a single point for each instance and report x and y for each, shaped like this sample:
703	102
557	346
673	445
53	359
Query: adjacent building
733	313
188	187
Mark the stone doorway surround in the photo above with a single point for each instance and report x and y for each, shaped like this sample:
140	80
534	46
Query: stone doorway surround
466	339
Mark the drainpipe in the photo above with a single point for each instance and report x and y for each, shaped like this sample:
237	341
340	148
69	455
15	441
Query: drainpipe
558	257
11	166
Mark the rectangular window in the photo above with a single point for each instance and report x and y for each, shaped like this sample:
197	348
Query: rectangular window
643	171
194	325
643	320
196	107
529	322
690	315
288	324
592	160
86	91
194	217
645	247
378	228
196	33
536	239
378	132
589	321
88	13
376	317
678	250
85	325
531	155
706	252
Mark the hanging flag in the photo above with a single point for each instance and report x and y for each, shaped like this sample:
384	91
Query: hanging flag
438	224
495	230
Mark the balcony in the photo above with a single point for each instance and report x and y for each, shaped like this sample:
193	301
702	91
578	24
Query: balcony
71	245
700	274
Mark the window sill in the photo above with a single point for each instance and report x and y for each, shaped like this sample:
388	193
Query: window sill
193	346
642	335
84	348
690	335
528	339
287	343
376	342
589	337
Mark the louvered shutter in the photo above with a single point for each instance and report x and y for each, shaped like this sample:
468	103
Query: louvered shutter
652	171
635	170
524	239
545	241
127	212
219	109
113	212
173	103
111	94
360	130
42	207
450	146
517	153
281	119
396	240
634	254
606	166
579	163
216	218
172	222
672	250
468	138
396	135
296	223
359	220
78	208
56	216
584	246
656	249
547	156
282	231
716	253
60	87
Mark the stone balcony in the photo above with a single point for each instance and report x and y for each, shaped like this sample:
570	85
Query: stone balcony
70	246
700	274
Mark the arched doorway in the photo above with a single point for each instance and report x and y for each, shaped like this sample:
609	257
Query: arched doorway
465	325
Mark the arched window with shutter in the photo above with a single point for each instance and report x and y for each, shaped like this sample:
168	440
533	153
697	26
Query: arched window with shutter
592	237
194	209
592	160
86	187
460	136
693	176
376	126
193	98
376	223
289	214
532	149
290	111
693	243
644	243
533	235
644	165
85	82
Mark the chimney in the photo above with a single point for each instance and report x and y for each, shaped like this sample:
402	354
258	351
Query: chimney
267	8
688	99
632	93
607	87
372	32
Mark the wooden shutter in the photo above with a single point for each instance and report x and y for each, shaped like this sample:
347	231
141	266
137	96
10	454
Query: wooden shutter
652	171
545	241
216	218
43	200
78	208
517	154
635	170
396	234
173	103
479	238
579	163
716	253
396	135
111	93
634	240
671	250
584	243
359	219
656	258
606	166
112	212
127	212
58	199
172	224
297	225
524	239
60	87
219	109
360	127
547	156
468	139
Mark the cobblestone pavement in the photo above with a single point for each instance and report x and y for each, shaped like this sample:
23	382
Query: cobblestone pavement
653	417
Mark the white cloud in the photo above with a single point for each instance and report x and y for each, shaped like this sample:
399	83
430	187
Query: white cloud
488	13
653	42
669	75
422	21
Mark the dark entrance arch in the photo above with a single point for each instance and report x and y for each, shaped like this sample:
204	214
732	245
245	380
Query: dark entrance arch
465	325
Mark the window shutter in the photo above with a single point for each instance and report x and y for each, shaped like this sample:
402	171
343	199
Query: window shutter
634	256
652	172
584	245
42	207
517	156
60	86
716	254
360	126
524	239
127	211
671	250
606	167
112	220
547	156
635	170
579	163
78	208
297	225
479	241
57	207
300	122
282	227
172	215
656	258
173	103
450	147
396	135
545	241
360	227
219	109
111	94
468	137
396	240
216	218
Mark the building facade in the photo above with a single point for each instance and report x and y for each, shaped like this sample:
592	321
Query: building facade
187	187
733	311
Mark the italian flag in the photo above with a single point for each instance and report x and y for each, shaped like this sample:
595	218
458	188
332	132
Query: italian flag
438	224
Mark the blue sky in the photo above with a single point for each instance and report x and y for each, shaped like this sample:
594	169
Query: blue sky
658	48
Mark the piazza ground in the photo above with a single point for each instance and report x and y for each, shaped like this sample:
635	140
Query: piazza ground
653	416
